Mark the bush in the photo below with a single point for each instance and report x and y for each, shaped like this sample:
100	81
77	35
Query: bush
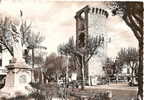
37	96
18	98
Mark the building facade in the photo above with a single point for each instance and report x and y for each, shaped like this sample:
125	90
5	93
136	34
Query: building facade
91	21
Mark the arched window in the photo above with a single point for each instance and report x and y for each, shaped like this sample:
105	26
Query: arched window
82	21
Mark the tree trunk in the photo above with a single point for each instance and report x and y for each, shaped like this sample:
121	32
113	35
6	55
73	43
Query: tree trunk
57	77
32	65
140	70
33	58
132	77
10	51
82	72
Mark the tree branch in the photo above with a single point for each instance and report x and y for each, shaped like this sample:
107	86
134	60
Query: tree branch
134	25
139	19
10	51
125	18
92	53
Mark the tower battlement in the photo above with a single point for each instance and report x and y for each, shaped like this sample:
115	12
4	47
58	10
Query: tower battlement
98	11
92	10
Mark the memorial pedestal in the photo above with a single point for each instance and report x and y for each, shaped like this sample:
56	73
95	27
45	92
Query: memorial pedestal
17	79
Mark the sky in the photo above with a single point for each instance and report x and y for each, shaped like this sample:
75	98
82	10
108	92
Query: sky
55	20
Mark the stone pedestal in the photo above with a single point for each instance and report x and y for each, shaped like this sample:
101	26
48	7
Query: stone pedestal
17	79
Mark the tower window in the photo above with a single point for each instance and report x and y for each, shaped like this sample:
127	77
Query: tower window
82	40
82	26
82	15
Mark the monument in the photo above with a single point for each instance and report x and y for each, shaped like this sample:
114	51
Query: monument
19	73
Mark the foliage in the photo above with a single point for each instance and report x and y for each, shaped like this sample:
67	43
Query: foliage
54	66
130	57
44	91
34	40
39	60
82	55
72	65
18	98
109	67
112	68
6	36
91	48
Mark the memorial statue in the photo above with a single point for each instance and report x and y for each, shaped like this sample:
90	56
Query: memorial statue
17	45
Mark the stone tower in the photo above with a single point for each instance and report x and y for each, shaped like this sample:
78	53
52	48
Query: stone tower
91	21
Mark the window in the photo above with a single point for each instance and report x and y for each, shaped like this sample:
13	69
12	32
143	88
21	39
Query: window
82	40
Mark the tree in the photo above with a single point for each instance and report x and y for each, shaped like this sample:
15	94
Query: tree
34	42
84	55
72	65
9	33
130	58
133	17
39	60
37	72
109	68
54	67
112	68
6	36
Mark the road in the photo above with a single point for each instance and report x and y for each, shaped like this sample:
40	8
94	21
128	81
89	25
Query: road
120	91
